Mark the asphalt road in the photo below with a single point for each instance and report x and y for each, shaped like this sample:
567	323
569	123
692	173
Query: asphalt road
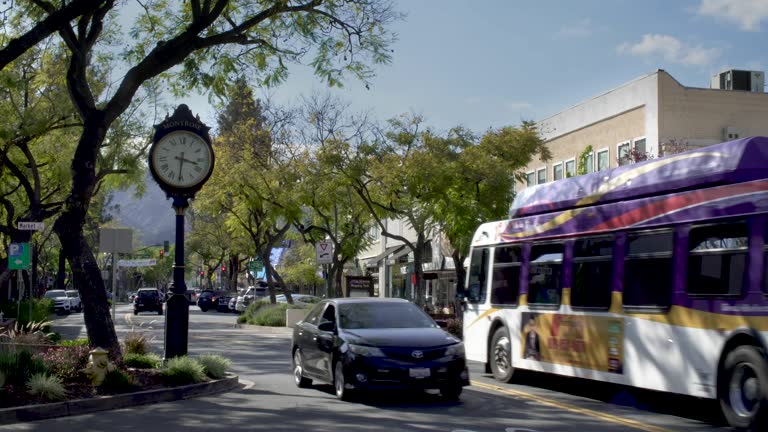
270	401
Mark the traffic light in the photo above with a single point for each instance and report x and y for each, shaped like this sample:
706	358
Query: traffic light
162	253
202	273
223	268
166	246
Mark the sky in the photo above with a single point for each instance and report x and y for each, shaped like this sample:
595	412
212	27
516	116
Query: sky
490	63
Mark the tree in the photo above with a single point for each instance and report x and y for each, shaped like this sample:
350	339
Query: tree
209	42
298	267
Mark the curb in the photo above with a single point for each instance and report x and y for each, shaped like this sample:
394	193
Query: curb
104	403
266	330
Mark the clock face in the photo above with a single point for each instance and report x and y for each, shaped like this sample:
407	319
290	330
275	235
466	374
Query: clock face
182	159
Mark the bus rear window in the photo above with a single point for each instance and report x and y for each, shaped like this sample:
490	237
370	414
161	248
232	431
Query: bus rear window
717	259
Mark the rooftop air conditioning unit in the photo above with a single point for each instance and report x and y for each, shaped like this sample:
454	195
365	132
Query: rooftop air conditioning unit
751	81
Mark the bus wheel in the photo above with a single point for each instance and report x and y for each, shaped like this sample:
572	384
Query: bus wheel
501	355
743	391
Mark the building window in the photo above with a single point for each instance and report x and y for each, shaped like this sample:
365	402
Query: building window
505	286
592	272
603	163
545	274
590	162
717	259
375	233
570	168
557	171
623	152
648	270
530	179
639	145
541	176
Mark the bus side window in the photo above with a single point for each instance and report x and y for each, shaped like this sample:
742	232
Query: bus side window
717	259
505	286
545	274
648	270
478	269
592	273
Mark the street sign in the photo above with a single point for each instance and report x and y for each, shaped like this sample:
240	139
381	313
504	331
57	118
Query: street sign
137	263
324	251
255	266
30	226
18	256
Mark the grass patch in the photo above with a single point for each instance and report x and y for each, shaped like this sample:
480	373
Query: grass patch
214	365
47	387
75	342
19	365
266	314
136	343
117	381
183	371
142	361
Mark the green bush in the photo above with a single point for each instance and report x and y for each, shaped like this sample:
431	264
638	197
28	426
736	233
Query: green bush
142	361
18	365
46	386
117	381
136	343
271	315
215	366
75	342
182	371
41	309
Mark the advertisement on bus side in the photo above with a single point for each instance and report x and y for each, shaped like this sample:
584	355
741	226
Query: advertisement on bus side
589	342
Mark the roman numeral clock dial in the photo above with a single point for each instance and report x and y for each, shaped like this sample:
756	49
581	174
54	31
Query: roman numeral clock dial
182	159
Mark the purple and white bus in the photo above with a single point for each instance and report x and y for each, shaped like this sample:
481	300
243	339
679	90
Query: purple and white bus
651	275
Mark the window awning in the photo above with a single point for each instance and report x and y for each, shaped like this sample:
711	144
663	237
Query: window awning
374	262
403	251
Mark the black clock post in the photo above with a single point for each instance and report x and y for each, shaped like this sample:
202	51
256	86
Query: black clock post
181	138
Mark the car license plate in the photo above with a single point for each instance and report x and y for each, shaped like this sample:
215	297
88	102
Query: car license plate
419	372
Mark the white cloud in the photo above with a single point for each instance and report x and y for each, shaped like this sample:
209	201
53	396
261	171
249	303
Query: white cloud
671	49
747	13
581	29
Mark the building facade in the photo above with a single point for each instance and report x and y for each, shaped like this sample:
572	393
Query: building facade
645	116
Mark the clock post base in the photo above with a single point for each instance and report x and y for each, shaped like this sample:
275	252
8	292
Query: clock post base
176	326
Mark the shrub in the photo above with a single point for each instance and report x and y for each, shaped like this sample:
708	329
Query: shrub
455	327
75	342
117	381
46	386
136	343
18	365
142	361
271	315
214	365
65	362
41	309
182	371
31	333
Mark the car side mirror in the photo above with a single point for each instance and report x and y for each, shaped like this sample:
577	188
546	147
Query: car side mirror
327	326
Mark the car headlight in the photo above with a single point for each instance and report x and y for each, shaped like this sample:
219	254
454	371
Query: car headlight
366	351
455	350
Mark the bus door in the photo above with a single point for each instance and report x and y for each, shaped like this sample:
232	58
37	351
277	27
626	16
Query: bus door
476	306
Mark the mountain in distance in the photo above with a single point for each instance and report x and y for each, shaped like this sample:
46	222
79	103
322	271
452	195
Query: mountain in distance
151	216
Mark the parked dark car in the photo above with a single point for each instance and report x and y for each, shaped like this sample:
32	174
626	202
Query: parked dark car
148	300
361	344
207	300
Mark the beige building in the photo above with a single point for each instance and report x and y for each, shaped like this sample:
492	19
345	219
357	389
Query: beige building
645	115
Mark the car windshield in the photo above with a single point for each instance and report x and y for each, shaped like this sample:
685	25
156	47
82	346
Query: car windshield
383	315
55	293
72	294
206	294
148	293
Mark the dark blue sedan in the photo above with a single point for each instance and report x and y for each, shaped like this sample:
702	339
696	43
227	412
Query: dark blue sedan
361	344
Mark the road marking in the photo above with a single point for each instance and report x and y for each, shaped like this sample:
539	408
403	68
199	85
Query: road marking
572	408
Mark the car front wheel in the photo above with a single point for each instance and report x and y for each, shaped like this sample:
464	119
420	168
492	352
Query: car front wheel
451	392
340	384
298	371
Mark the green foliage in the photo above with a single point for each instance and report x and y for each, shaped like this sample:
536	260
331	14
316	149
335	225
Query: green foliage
136	343
47	387
117	381
215	366
41	310
271	315
182	371
75	342
142	361
583	158
31	333
17	365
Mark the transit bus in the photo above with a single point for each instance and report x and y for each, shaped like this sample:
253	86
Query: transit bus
651	275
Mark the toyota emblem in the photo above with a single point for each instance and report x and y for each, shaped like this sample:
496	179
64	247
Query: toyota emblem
417	354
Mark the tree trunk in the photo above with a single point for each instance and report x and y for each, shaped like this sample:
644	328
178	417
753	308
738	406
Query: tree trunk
234	271
61	274
419	270
265	258
69	229
337	270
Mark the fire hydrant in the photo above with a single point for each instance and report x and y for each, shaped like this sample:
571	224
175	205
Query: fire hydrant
98	366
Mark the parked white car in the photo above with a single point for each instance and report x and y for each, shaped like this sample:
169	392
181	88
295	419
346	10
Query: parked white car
75	303
300	299
249	296
62	304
